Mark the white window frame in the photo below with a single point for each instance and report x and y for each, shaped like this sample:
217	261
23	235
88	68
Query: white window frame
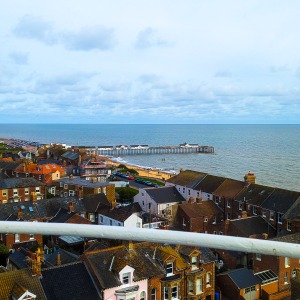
169	268
126	278
240	205
286	262
174	292
17	237
228	203
199	286
254	210
289	226
279	218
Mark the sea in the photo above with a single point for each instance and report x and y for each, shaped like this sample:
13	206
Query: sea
271	152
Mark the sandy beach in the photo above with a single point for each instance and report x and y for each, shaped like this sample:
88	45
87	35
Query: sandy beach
143	172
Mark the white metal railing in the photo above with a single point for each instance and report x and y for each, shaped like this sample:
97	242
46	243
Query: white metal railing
249	245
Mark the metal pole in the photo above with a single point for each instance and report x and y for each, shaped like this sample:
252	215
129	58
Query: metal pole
267	247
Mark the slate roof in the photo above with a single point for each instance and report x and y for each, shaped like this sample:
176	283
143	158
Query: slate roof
94	202
167	194
19	182
242	278
253	225
106	264
255	194
293	212
281	200
65	258
23	278
81	182
196	210
7	165
10	211
70	281
229	188
62	216
209	184
71	155
206	255
49	207
187	178
18	259
289	238
116	213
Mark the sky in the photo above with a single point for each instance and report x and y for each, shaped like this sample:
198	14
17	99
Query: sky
150	62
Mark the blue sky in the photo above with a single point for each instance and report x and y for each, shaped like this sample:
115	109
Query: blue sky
135	61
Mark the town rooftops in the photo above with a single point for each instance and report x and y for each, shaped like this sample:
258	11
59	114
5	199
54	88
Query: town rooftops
71	281
229	188
7	165
71	155
118	214
23	278
196	210
254	225
11	183
209	184
10	211
281	200
255	194
81	182
94	202
187	178
65	216
242	278
289	238
168	194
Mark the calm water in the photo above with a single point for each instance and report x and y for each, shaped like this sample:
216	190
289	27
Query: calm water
270	151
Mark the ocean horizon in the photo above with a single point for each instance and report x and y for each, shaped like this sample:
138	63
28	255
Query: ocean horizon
270	151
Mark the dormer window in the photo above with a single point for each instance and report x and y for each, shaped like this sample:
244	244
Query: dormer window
169	268
126	278
194	262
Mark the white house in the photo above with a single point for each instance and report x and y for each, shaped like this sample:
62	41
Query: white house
158	200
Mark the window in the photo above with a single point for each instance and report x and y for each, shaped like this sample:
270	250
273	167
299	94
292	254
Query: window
26	191
287	262
61	184
4	193
71	193
169	268
254	210
271	215
228	216
228	204
279	218
263	214
258	256
143	296
175	292
208	279
65	194
205	219
17	237
199	286
214	220
288	226
240	205
37	189
92	218
194	261
249	207
126	278
15	192
110	222
191	286
166	293
220	233
286	278
153	294
65	186
40	177
31	236
27	174
189	192
250	289
101	219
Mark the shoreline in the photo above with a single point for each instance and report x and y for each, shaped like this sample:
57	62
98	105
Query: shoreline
143	171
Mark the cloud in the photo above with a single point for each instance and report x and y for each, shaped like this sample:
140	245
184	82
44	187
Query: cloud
149	38
92	38
32	27
19	58
223	73
86	39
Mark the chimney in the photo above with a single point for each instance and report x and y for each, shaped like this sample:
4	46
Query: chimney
249	178
58	259
191	200
71	176
181	170
71	207
80	192
40	254
20	213
199	199
244	214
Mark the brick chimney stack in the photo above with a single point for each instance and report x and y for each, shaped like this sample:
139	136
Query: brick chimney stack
20	214
249	178
71	207
58	259
191	200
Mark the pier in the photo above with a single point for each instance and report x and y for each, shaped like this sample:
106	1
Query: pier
121	150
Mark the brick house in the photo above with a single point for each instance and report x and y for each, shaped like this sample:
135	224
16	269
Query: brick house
205	217
284	267
21	190
75	186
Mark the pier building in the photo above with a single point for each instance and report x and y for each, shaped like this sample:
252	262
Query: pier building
120	150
